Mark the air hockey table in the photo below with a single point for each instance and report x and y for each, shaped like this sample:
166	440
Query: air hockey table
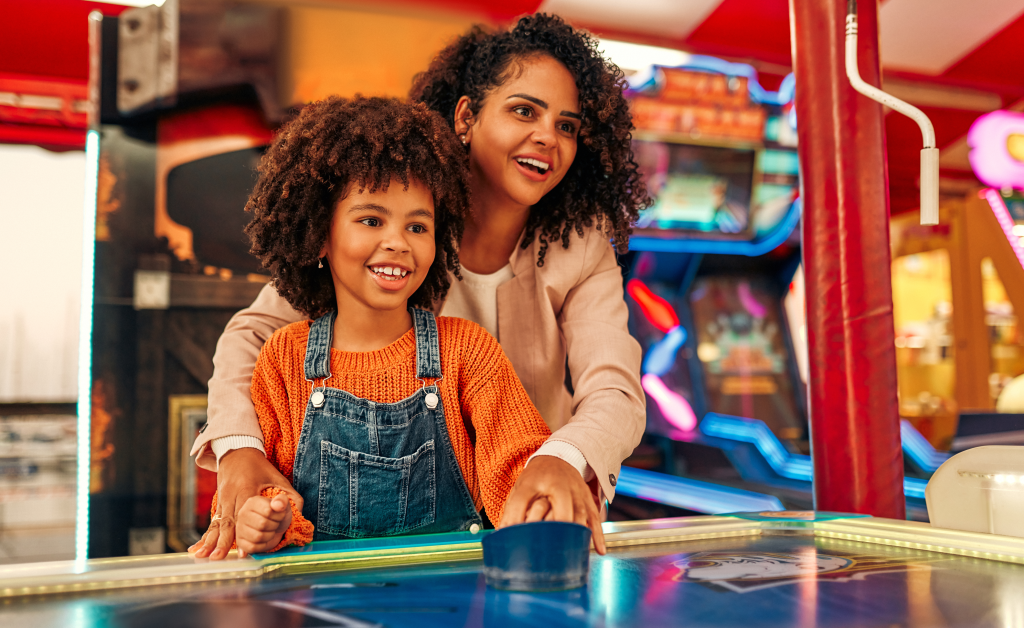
751	570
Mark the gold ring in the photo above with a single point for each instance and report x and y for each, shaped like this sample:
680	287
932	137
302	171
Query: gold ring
215	517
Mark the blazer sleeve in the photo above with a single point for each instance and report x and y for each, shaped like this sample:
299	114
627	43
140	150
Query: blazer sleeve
609	409
230	410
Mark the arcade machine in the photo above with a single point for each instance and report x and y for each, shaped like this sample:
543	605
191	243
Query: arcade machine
715	287
711	262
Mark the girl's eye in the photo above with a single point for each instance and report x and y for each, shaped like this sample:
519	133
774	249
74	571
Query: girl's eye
417	228
371	222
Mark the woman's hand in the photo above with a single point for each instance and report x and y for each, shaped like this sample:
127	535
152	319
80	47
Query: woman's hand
243	473
550	489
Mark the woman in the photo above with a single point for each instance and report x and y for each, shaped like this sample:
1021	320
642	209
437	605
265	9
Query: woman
555	190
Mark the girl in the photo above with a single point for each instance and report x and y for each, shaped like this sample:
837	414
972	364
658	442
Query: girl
392	422
555	189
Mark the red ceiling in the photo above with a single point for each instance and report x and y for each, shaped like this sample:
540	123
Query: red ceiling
48	38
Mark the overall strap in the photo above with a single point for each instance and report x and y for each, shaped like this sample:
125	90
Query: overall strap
318	351
428	349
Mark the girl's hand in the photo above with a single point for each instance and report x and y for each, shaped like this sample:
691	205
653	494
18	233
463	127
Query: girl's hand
243	473
262	523
550	489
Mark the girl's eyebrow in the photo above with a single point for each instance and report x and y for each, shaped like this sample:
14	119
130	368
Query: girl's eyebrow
373	207
541	103
380	209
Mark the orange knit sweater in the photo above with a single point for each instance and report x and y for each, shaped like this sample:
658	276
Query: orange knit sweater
479	392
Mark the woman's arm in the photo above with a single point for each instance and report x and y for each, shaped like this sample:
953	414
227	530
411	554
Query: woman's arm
609	411
230	410
243	470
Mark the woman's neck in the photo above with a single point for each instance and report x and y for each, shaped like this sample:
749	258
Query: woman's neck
492	231
362	328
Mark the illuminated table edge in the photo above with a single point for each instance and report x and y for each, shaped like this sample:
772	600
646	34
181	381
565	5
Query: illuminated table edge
68	577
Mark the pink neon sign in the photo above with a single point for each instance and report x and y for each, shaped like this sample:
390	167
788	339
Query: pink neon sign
990	157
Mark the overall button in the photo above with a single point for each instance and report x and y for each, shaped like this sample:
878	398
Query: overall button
317	399
431	400
611	479
474	529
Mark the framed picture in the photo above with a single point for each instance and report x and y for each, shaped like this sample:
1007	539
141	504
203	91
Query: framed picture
189	489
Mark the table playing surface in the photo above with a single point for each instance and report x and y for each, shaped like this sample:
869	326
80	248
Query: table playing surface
702	571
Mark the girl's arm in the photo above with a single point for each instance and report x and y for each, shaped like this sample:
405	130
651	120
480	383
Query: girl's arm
508	427
278	431
230	410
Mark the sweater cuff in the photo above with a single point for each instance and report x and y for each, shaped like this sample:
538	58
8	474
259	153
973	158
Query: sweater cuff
224	444
568	453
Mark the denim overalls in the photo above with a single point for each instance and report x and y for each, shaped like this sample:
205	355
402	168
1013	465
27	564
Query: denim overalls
379	469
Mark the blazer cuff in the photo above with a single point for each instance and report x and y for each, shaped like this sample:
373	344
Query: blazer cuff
224	444
567	452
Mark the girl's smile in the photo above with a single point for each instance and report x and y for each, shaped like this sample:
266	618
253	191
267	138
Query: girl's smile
380	246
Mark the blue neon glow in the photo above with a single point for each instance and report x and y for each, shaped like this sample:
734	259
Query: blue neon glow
690	494
919	449
662	356
914	487
786	464
750	248
92	168
757	433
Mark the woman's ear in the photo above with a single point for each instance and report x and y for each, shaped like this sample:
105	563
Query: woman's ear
464	119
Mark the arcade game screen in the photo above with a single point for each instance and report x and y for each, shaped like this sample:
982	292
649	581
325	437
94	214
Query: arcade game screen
743	352
701	188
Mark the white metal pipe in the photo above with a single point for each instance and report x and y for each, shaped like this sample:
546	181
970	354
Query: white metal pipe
929	154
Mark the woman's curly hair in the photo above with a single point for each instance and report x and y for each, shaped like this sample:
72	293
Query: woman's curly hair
338	145
603	184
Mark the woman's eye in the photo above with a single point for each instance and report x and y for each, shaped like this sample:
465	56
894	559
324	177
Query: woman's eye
523	110
370	222
568	127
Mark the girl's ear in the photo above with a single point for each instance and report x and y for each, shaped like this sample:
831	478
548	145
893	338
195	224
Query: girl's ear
464	120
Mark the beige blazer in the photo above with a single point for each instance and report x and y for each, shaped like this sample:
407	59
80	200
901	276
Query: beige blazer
569	311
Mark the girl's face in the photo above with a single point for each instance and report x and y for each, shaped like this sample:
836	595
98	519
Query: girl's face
381	245
523	140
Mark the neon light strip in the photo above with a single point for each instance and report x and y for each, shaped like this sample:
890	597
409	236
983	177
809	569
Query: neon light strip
756	432
674	407
787	465
995	201
92	166
692	494
919	449
751	248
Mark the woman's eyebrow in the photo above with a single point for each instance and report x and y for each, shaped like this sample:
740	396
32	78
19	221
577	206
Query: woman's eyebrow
541	103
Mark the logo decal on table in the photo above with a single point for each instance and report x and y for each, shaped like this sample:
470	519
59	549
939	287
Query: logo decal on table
743	572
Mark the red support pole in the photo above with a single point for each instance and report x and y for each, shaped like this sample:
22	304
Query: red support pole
855	433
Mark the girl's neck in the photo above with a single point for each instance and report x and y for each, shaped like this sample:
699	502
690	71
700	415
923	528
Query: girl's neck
361	328
492	231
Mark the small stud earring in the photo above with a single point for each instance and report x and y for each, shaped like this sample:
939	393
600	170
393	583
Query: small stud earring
320	263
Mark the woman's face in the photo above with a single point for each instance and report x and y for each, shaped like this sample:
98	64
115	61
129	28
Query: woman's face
523	140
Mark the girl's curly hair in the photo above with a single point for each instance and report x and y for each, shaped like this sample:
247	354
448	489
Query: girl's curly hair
603	184
337	145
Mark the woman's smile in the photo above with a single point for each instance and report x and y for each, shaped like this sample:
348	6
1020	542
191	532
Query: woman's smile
523	140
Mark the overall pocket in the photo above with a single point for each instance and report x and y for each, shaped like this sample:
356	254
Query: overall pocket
362	495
